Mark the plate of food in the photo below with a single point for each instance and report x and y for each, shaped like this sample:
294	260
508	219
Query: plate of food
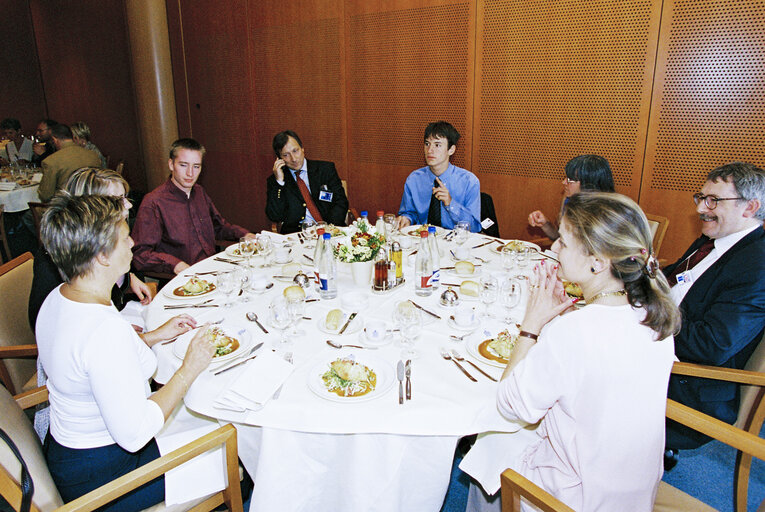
334	321
493	351
419	228
334	231
230	341
234	251
191	289
517	244
351	379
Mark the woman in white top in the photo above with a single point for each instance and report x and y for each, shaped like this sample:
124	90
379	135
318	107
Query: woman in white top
103	414
19	148
596	377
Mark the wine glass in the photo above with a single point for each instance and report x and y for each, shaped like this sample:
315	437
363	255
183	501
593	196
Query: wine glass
461	232
509	257
488	292
247	248
228	281
279	316
510	296
264	247
409	322
390	222
308	227
296	309
245	282
522	256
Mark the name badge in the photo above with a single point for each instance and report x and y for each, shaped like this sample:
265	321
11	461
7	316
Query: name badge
325	195
684	277
487	223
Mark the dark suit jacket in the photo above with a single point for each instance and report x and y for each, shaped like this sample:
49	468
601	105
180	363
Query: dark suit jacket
285	203
723	321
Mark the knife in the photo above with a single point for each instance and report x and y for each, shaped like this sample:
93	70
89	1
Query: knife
408	379
481	245
400	374
249	356
425	310
193	306
347	322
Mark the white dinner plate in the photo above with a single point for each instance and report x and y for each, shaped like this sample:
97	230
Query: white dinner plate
413	231
354	326
168	290
385	379
530	245
233	251
237	331
472	348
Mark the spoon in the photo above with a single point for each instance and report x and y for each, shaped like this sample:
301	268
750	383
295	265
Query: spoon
337	345
456	355
253	317
457	338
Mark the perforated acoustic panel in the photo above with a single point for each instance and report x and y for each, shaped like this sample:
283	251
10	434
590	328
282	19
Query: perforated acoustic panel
711	101
298	83
562	78
407	68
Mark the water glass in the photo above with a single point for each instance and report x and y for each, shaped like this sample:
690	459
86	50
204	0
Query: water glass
308	227
510	296
509	257
279	316
522	256
390	223
461	232
228	281
488	292
296	309
247	247
409	322
265	247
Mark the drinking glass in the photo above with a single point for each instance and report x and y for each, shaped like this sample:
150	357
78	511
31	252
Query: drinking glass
308	227
409	322
228	281
523	258
390	223
510	296
247	248
279	316
461	232
509	257
265	247
296	309
488	292
245	282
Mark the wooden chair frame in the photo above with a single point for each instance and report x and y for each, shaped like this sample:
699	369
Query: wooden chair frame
6	256
37	210
226	435
661	230
746	441
14	351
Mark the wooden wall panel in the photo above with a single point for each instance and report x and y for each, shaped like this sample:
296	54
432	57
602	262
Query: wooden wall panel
707	107
21	88
84	56
555	80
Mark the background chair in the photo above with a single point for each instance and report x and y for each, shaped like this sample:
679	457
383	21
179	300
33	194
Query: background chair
350	215
6	255
658	225
120	169
46	497
669	498
37	210
18	350
487	212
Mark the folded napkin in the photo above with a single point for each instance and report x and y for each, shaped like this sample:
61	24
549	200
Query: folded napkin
135	313
37	177
275	237
256	384
494	452
8	185
202	475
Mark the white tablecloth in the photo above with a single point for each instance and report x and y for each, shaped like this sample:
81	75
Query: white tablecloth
308	453
16	200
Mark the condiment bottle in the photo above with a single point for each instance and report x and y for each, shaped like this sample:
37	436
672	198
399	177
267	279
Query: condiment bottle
423	268
397	257
381	270
327	271
380	223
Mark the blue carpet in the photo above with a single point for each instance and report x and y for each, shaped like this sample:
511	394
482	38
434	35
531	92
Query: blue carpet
456	495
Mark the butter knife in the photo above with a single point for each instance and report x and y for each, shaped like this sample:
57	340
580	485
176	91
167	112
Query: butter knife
400	375
251	355
424	310
347	322
408	379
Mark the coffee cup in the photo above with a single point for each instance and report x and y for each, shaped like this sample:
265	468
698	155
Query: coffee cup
464	316
282	252
259	282
375	331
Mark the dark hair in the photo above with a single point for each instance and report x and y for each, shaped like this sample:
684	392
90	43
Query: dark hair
442	129
10	123
592	172
61	131
282	138
613	226
748	179
50	123
187	143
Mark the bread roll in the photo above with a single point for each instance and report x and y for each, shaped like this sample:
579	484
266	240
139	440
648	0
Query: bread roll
464	268
470	288
333	320
294	292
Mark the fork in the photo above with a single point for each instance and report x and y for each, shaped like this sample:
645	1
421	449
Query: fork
173	339
445	354
456	355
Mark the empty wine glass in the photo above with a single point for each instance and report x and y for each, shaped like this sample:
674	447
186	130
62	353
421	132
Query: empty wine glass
461	232
247	248
509	257
488	292
279	316
296	308
390	223
308	227
228	281
265	247
409	322
245	282
510	296
522	257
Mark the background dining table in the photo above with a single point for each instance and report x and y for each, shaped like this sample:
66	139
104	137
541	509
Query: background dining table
307	450
16	200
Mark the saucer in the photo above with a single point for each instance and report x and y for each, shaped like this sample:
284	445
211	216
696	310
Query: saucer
468	328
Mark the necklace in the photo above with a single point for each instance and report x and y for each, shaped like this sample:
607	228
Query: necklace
616	293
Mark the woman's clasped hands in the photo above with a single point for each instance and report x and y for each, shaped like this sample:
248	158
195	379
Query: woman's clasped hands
547	298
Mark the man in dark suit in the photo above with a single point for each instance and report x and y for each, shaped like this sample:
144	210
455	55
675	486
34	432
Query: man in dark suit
719	284
301	188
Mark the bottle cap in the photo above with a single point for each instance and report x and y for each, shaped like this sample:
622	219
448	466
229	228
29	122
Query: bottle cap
423	234
431	229
320	231
327	236
364	213
380	213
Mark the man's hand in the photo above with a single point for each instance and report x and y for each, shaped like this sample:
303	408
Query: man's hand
402	222
278	172
442	193
180	267
537	219
140	289
39	148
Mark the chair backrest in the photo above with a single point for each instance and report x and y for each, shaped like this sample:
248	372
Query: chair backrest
37	210
120	167
6	256
15	285
756	363
487	212
351	214
18	427
658	225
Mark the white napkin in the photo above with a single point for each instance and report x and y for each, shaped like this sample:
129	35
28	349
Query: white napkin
202	475
256	384
8	185
37	177
275	237
494	452
134	312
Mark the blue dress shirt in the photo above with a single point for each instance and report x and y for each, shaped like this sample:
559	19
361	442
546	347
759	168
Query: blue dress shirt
463	186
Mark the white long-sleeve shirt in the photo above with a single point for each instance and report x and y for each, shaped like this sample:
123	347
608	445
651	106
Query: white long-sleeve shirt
98	376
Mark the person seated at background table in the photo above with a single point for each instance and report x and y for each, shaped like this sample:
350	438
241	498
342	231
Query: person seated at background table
46	277
177	223
302	189
596	377
719	284
103	416
19	149
44	146
60	165
440	194
81	137
584	172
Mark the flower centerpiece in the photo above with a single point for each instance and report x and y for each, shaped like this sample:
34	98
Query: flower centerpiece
359	248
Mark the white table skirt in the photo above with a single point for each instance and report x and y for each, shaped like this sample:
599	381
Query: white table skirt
16	200
307	453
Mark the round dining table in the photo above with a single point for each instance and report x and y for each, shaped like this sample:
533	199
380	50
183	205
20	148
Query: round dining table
17	200
309	449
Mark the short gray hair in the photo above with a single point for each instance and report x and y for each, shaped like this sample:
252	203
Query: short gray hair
748	179
75	229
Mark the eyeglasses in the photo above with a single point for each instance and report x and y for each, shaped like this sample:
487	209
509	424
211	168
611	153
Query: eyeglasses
711	201
569	181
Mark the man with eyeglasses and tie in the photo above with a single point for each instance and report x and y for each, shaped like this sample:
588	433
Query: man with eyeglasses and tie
441	194
719	285
302	189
